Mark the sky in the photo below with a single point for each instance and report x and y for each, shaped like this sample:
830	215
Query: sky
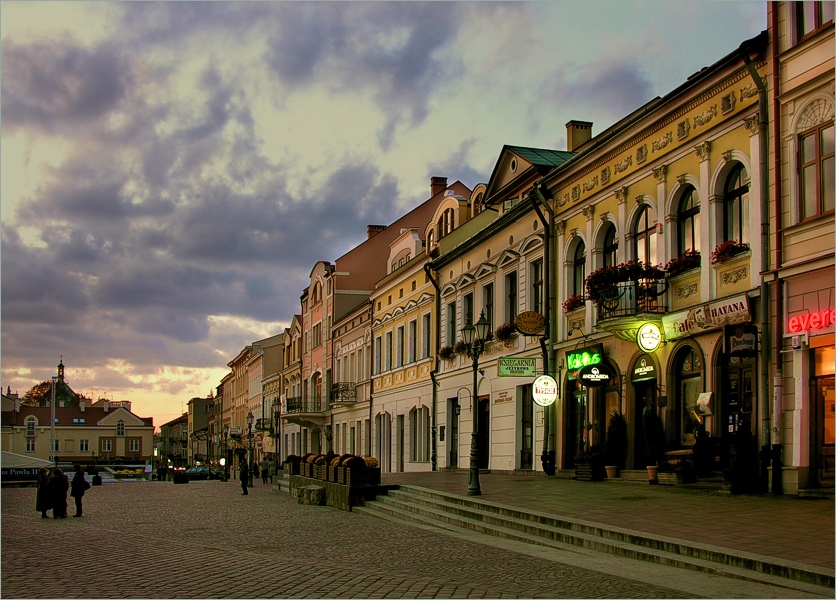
171	171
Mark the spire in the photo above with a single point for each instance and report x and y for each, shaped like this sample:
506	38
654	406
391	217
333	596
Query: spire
61	370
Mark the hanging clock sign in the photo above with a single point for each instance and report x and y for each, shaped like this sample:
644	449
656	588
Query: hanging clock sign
598	375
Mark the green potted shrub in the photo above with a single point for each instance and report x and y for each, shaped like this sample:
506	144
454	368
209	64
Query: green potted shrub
615	449
654	442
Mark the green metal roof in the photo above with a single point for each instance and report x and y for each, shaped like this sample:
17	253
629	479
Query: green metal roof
541	156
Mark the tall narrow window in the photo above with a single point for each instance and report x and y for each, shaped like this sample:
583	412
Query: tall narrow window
467	309
378	355
610	247
120	428
810	16
30	426
537	286
387	363
645	235
426	323
734	199
451	323
817	170
511	297
399	345
412	341
487	304
579	269
688	221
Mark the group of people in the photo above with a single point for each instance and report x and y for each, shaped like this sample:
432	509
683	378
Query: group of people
267	468
53	488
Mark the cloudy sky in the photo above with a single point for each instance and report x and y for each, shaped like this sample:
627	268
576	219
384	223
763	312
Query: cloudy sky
172	170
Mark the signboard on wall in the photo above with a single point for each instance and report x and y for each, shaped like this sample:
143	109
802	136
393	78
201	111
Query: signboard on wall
581	357
530	323
517	367
741	339
644	369
544	390
599	375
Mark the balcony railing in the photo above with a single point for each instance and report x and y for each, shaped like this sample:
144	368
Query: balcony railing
306	405
344	392
631	298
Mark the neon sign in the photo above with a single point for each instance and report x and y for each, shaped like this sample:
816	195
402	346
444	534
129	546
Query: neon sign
577	359
816	320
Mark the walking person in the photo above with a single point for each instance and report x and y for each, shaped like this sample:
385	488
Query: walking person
271	467
265	470
255	469
42	502
78	486
57	487
244	475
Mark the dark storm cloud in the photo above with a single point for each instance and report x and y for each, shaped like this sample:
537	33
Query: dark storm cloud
47	84
458	165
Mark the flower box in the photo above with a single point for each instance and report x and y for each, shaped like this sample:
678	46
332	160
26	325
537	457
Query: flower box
307	470
332	474
321	472
292	468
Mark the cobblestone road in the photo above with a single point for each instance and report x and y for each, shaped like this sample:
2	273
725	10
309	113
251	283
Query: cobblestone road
205	540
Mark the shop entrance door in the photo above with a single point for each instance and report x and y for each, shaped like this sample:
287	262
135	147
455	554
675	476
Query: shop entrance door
645	395
453	444
483	438
738	394
526	428
825	415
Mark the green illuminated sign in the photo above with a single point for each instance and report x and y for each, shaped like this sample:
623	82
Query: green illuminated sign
577	359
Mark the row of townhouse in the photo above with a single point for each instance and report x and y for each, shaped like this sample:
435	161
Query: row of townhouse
725	185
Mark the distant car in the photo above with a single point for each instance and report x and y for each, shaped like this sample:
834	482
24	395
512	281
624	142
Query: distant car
197	473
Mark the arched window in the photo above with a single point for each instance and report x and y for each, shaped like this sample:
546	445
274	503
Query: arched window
578	269
688	221
734	198
688	376
610	247
645	235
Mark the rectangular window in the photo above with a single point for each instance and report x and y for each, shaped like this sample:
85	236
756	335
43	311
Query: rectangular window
399	345
537	286
511	297
467	309
55	445
388	349
426	322
84	445
317	335
133	445
811	16
412	342
816	168
487	303
378	355
106	447
30	445
451	323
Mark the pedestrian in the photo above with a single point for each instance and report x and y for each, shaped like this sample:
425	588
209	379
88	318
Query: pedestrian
57	487
42	502
265	470
78	486
255	469
271	467
243	475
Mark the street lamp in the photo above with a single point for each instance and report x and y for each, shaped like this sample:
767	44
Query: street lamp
52	457
250	419
276	435
474	339
226	460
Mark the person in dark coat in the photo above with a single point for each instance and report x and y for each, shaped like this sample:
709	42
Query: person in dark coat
265	470
244	475
57	487
77	488
42	502
254	467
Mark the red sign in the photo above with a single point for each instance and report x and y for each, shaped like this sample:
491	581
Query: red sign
816	320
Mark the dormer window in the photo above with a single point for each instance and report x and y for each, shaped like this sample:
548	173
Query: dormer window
120	428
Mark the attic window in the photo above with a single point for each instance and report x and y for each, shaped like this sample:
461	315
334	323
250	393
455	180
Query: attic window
79	420
513	165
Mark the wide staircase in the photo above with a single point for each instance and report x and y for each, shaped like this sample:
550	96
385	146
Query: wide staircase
458	514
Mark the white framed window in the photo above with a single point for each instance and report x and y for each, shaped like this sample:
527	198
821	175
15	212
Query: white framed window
510	297
120	428
30	445
487	304
451	323
399	346
537	286
30	426
412	341
106	446
426	323
378	354
133	445
84	445
387	363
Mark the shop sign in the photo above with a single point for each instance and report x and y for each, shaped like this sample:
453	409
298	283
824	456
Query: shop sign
596	375
678	325
723	312
517	367
821	319
741	339
544	390
530	323
645	369
704	404
577	359
649	337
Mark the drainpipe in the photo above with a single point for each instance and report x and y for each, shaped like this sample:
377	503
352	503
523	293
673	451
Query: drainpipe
434	372
548	456
369	436
763	116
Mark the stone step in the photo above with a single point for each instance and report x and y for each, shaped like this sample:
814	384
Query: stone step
447	511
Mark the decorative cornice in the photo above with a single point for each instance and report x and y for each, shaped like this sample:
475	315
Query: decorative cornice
727	156
621	194
560	227
662	142
588	211
681	179
605	216
752	124
623	165
705	116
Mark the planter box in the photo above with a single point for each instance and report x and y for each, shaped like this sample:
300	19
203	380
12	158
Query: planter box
321	472
307	469
589	472
292	468
354	477
332	474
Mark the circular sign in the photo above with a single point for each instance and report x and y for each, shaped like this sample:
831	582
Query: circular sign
649	337
596	375
544	390
530	323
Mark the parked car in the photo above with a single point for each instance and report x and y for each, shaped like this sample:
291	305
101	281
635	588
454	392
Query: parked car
197	473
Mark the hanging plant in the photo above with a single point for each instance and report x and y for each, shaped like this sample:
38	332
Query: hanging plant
602	283
505	332
727	250
446	352
690	259
460	347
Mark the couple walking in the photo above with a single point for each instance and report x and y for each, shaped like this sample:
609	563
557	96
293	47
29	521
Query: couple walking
52	492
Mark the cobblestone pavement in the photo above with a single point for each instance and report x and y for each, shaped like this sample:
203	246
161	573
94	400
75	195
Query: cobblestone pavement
204	540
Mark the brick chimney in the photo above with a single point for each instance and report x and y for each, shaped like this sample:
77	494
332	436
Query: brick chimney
373	230
106	405
437	184
577	133
81	405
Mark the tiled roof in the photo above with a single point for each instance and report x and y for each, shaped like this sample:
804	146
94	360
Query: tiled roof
542	156
64	414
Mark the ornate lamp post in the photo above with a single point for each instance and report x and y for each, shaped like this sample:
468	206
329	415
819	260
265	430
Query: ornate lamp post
276	436
52	457
474	338
225	459
250	420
